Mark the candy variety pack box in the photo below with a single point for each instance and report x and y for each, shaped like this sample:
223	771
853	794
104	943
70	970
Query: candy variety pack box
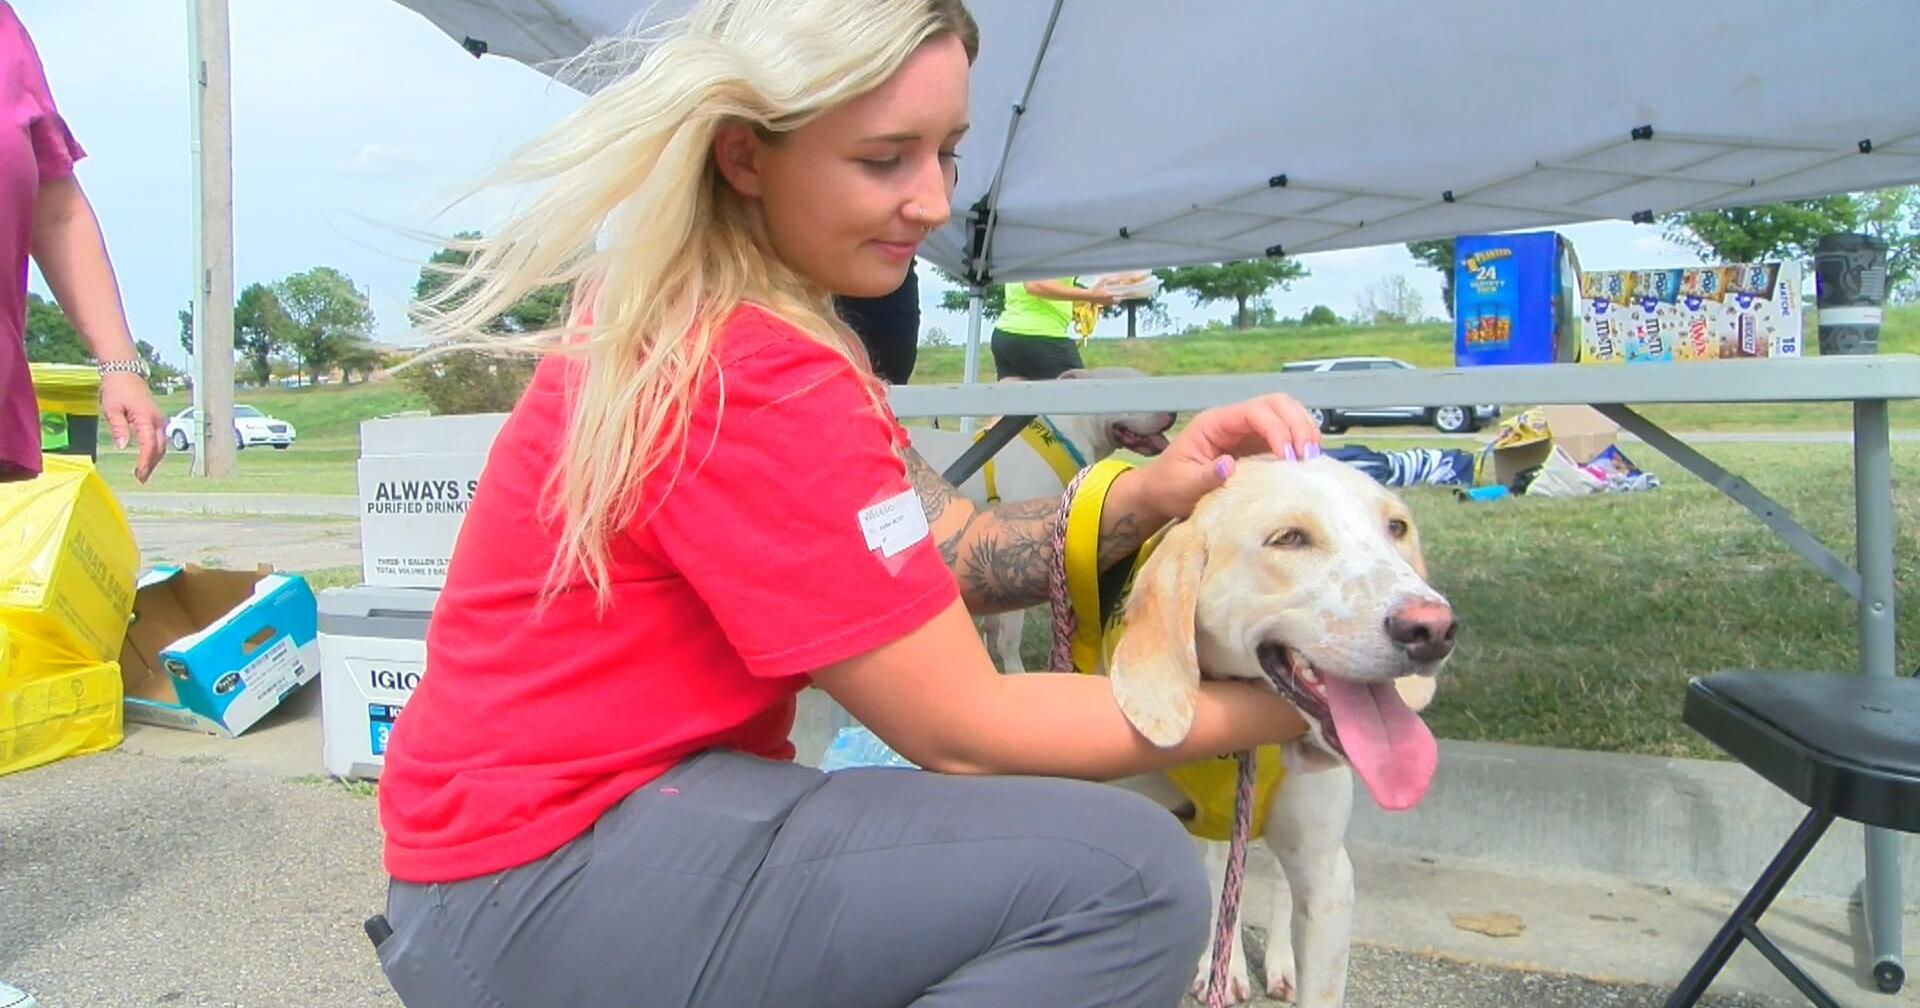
1691	314
1515	299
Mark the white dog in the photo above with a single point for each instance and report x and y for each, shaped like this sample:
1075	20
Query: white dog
1308	578
1030	467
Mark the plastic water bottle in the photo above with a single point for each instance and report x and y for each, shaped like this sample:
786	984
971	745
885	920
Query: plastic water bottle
14	997
853	746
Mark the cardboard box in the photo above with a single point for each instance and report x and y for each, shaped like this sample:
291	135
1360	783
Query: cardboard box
1604	326
1528	439
1516	299
215	650
417	478
373	650
1690	314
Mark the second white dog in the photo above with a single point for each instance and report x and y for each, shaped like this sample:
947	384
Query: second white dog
1026	470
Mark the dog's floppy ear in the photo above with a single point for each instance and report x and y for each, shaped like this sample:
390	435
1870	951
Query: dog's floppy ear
1155	671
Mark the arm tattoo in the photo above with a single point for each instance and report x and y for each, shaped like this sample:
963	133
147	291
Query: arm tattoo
1004	563
1001	557
935	493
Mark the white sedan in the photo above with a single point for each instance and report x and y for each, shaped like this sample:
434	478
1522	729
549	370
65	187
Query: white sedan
250	427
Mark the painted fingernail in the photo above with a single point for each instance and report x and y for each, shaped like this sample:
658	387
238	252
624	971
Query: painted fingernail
1313	451
1287	453
1223	467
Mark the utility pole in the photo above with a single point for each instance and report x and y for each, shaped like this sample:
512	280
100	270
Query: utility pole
210	83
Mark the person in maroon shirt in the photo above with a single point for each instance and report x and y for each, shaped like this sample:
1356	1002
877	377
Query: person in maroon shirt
700	507
48	217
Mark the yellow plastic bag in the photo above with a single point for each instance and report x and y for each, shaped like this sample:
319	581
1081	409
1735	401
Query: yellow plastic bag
56	712
69	400
66	388
67	567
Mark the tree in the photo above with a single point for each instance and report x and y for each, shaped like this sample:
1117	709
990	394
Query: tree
1770	230
1791	230
1389	300
1239	282
543	309
470	381
1319	315
359	356
185	316
1893	215
325	314
159	372
993	301
51	339
474	380
935	337
1438	253
261	329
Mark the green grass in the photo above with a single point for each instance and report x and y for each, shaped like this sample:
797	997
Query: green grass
1583	619
354	788
332	577
301	469
326	419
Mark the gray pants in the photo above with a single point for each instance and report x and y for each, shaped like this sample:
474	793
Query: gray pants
734	882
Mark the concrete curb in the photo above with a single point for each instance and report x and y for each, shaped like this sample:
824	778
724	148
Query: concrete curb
1638	818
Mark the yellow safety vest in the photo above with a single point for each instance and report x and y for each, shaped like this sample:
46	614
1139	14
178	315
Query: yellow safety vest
1097	597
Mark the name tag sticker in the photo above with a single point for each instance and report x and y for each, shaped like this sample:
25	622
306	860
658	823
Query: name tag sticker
894	524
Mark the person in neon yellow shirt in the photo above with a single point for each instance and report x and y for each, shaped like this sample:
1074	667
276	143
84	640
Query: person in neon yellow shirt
1032	339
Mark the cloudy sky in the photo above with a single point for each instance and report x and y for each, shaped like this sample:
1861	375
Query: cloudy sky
357	123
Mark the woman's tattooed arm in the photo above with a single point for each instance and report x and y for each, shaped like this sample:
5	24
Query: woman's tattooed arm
1001	556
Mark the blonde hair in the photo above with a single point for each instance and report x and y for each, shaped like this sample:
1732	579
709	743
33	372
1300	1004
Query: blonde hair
630	213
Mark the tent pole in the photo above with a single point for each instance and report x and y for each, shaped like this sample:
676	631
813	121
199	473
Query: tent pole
976	301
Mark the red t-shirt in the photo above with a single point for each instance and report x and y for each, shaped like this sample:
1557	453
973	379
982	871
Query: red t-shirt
754	570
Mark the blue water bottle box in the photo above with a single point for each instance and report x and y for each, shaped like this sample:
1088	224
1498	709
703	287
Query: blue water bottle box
1516	300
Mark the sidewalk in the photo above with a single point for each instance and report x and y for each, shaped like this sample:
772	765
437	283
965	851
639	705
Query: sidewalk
187	870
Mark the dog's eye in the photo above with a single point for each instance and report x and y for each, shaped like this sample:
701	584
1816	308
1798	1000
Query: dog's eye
1397	528
1288	539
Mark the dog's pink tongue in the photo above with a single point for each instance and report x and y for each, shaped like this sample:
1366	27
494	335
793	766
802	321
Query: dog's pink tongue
1387	743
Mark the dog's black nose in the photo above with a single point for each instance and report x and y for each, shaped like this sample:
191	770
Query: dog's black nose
1424	630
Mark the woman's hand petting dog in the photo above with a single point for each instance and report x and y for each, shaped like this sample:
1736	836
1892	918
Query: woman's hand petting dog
1201	457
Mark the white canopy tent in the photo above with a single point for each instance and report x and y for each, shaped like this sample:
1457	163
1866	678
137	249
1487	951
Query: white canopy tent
1120	134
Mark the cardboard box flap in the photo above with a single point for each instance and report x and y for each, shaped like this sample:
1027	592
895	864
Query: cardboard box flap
175	604
213	650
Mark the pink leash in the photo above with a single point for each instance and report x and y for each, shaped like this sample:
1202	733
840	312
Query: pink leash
1061	660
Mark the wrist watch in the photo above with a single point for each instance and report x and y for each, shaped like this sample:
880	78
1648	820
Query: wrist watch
135	366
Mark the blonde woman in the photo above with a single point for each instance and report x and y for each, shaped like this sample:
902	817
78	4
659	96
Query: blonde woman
695	512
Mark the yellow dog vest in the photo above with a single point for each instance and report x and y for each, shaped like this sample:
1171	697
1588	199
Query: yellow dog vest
1047	442
1097	599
